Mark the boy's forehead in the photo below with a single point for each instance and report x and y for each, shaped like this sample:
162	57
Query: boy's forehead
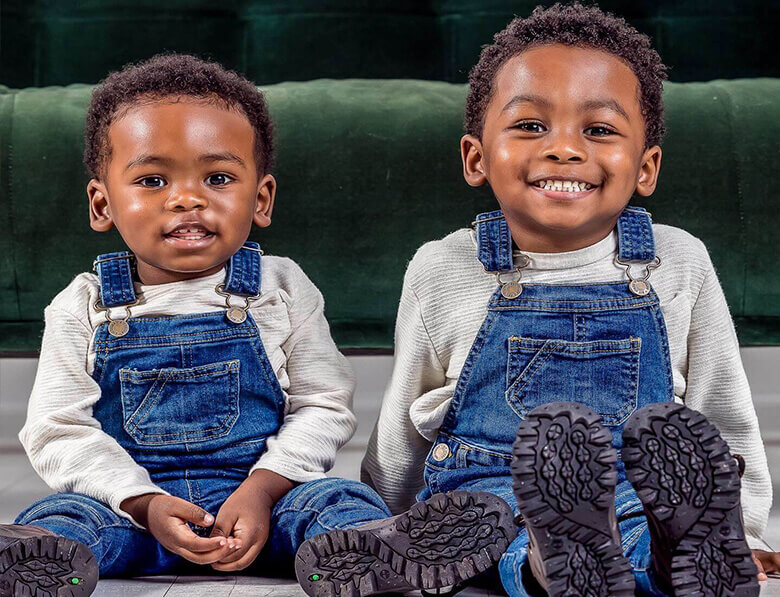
561	74
180	126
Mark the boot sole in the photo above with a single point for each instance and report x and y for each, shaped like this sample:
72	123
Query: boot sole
689	485
46	566
440	542
564	481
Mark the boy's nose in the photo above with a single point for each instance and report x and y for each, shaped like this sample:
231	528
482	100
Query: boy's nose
185	201
564	148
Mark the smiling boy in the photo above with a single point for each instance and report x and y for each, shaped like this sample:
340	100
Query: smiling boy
568	302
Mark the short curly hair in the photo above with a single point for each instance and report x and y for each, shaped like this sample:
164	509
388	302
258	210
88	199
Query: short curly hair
167	75
572	25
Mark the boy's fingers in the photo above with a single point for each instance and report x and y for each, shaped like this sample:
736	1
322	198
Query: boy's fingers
192	513
189	541
209	557
223	527
759	565
234	554
247	559
770	561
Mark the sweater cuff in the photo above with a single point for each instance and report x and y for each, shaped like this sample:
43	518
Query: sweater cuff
289	470
757	543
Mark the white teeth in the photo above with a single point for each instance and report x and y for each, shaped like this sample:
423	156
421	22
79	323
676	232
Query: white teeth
563	185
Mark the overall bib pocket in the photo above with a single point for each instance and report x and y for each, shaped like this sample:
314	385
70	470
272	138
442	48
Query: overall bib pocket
602	374
178	406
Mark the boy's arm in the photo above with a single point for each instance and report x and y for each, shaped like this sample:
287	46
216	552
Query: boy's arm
318	417
717	387
63	440
394	461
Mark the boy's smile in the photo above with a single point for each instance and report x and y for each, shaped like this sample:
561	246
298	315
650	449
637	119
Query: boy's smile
182	187
562	146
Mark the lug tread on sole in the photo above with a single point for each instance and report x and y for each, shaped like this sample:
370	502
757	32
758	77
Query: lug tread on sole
689	485
45	565
564	480
443	541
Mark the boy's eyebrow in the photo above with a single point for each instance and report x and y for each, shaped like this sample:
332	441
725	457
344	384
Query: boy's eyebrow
226	156
594	104
144	159
609	104
529	99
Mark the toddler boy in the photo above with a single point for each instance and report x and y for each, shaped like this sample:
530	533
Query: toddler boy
189	397
568	294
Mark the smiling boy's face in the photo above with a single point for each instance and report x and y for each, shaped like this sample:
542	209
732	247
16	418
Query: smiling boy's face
181	186
561	115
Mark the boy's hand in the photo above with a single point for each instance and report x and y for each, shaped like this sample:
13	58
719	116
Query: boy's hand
166	518
244	520
767	562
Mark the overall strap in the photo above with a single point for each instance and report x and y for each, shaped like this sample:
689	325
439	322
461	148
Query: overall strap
115	273
244	274
494	242
636	243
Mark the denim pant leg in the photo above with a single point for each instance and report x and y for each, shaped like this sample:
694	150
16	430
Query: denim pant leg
636	540
120	548
317	507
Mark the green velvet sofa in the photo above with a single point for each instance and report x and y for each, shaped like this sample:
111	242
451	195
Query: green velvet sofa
368	170
58	42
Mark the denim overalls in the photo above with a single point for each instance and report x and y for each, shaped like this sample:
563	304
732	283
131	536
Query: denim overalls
192	399
603	344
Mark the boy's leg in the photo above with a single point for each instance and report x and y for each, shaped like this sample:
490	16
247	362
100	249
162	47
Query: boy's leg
689	485
119	547
318	507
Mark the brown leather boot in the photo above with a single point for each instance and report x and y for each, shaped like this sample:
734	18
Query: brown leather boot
689	485
564	481
34	561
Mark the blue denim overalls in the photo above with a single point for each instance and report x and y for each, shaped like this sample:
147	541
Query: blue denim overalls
603	344
192	398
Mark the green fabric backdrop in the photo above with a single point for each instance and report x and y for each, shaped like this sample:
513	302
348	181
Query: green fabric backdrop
368	170
57	42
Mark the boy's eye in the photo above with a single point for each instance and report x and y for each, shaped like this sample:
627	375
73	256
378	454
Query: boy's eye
153	182
530	127
219	179
599	131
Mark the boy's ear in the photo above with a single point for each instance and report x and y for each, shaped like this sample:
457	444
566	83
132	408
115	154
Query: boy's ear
266	192
648	171
471	156
99	211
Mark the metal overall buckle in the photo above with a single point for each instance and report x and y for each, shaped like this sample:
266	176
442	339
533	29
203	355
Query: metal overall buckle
233	313
639	286
116	327
513	288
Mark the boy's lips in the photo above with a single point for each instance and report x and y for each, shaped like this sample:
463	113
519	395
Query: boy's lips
563	187
571	195
189	235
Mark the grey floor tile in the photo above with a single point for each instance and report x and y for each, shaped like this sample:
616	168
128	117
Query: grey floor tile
157	586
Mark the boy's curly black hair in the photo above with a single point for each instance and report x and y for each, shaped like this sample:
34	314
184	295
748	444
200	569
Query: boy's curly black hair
573	25
167	75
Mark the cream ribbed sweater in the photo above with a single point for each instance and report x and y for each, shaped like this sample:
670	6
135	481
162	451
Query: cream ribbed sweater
443	304
70	452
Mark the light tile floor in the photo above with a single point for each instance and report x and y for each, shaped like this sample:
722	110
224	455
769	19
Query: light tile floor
19	485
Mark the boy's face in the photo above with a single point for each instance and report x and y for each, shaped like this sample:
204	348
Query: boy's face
562	113
181	185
